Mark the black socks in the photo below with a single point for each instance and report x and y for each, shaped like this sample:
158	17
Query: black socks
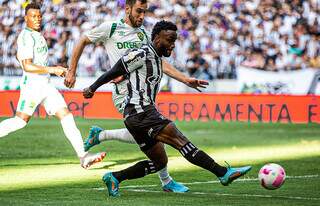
138	170
201	159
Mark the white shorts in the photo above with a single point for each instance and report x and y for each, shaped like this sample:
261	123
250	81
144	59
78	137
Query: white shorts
34	93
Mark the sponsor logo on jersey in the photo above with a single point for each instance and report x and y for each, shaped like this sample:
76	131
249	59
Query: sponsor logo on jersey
129	45
140	35
41	49
131	56
134	62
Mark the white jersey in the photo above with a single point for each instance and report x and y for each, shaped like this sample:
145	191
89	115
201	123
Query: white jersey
35	88
32	45
118	38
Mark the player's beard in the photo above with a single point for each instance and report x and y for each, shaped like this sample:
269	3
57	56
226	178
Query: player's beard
132	20
164	52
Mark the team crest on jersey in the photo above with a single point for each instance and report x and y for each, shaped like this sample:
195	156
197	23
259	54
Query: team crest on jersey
154	79
140	36
121	33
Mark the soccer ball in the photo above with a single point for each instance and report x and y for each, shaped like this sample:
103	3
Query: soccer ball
272	176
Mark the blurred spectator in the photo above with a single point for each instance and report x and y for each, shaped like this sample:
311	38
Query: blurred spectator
255	59
215	37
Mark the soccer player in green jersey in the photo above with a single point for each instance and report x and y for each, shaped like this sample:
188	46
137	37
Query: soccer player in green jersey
36	88
118	37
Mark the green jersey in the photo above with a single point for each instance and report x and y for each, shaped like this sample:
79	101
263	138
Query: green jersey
118	38
32	45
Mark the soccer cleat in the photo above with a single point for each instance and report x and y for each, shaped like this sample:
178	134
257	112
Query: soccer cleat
176	187
233	173
93	138
112	184
90	159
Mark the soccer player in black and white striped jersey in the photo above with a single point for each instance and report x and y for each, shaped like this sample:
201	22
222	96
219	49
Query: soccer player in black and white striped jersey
148	127
118	38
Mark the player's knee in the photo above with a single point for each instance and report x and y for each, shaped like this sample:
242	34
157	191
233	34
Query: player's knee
62	113
175	133
161	163
21	116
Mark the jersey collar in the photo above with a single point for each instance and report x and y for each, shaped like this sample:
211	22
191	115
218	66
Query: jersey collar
31	30
28	29
153	49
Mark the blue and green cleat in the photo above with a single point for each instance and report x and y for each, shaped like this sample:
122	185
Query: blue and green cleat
176	187
233	173
112	184
93	138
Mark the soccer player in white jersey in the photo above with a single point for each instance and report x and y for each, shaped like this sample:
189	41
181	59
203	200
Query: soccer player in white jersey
36	88
118	37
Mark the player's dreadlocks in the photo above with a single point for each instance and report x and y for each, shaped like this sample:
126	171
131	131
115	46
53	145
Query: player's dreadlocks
162	25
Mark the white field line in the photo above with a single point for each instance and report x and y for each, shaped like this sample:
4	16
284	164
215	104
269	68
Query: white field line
233	195
134	188
213	181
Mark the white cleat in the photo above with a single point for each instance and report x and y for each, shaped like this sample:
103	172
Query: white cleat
90	159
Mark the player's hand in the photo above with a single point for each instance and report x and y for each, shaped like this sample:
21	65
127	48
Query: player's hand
70	80
87	93
197	83
58	70
118	79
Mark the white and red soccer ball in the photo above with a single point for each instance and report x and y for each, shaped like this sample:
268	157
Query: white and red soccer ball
272	176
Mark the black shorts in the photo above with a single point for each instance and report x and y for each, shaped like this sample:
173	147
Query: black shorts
145	126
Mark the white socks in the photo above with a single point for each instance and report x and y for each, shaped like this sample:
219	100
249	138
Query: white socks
122	135
69	127
73	134
164	176
10	125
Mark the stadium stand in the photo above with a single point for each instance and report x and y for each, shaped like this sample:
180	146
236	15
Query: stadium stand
215	36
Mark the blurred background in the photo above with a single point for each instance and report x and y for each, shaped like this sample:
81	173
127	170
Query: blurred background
222	41
243	48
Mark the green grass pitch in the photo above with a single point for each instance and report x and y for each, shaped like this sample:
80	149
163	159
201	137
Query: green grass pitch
39	167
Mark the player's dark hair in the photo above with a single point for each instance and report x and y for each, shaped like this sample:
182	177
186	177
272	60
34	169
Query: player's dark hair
32	5
162	25
132	2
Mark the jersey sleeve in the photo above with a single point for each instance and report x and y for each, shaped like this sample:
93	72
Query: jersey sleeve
100	33
135	59
25	45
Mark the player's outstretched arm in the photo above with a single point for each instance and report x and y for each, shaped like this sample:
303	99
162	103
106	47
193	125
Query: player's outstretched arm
172	72
70	79
28	66
117	70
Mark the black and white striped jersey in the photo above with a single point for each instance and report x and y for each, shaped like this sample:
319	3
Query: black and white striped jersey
144	68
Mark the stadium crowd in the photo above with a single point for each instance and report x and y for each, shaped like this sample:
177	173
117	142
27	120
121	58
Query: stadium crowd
215	37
